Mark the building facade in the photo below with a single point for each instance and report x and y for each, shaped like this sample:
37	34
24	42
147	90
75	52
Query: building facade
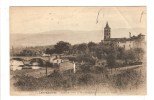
126	43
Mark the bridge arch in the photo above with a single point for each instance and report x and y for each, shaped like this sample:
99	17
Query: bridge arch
37	61
18	59
28	60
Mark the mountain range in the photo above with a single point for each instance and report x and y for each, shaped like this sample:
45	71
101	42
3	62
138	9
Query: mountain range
73	37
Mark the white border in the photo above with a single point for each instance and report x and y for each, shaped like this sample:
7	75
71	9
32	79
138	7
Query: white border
4	38
76	2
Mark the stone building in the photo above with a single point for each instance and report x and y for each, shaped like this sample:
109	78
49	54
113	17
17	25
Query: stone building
126	43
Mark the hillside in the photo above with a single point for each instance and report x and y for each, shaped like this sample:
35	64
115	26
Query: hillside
73	37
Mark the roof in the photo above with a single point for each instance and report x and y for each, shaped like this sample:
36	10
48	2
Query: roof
107	25
125	39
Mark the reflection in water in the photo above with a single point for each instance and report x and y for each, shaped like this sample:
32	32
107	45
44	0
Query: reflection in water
16	65
19	65
35	67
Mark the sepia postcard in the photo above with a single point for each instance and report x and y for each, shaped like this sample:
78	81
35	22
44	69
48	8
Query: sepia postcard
78	51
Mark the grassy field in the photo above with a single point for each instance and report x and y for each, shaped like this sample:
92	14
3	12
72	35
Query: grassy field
96	81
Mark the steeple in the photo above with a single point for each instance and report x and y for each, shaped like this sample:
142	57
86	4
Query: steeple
107	25
107	31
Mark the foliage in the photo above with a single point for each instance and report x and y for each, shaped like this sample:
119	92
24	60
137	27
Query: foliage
130	78
111	58
85	67
92	46
27	53
50	51
86	59
86	79
120	53
62	47
72	59
82	48
133	55
69	80
55	80
99	53
89	52
139	52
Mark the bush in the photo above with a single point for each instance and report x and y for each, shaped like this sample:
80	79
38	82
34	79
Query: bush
85	58
57	78
26	82
86	79
48	64
100	70
72	59
122	81
53	81
111	60
85	67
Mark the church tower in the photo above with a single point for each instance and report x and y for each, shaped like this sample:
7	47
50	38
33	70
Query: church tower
107	31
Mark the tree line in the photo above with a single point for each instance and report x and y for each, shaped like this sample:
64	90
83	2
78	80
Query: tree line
89	52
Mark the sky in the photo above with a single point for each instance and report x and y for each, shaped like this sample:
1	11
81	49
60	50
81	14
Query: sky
32	20
73	24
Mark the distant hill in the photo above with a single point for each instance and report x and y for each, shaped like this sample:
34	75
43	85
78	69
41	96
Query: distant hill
17	50
73	37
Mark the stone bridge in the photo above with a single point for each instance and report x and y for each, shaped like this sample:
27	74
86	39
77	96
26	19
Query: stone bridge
27	60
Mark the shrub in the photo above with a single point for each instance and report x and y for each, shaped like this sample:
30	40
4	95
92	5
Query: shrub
57	78
26	82
85	67
71	58
122	81
86	79
100	70
111	60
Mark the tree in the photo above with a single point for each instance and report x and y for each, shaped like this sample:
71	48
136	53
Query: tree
74	49
129	56
26	52
111	59
62	47
50	51
120	53
47	51
133	55
92	46
139	52
86	58
99	53
82	48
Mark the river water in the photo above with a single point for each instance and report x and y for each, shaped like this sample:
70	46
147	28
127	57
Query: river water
19	65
